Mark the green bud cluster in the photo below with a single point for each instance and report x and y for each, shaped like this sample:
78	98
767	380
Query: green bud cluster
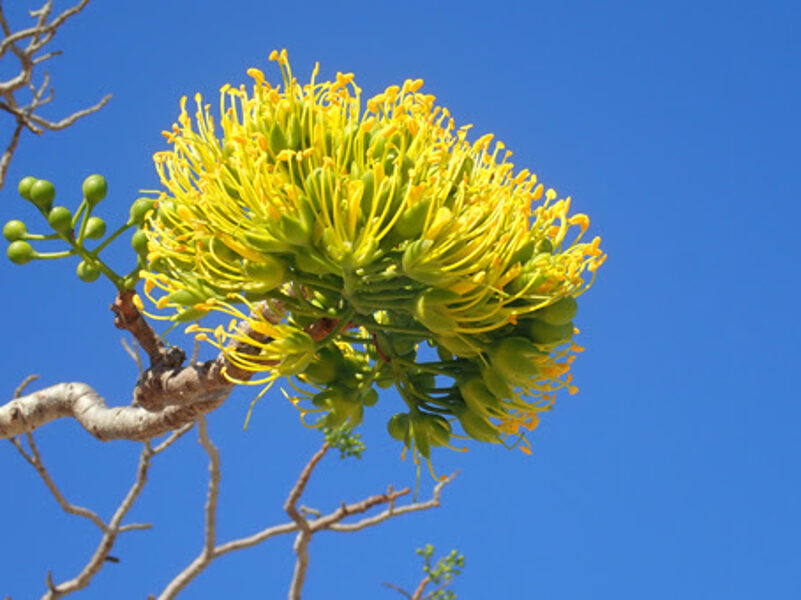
74	228
345	382
443	572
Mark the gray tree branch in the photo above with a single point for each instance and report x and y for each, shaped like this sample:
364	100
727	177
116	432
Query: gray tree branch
38	36
300	524
111	530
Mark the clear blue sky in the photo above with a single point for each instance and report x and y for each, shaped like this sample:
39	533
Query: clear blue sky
672	474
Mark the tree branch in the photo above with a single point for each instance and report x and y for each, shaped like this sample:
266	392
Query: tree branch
113	529
418	592
299	523
165	398
38	35
392	511
110	530
35	460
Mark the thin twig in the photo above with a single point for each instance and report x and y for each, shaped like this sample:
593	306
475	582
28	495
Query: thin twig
38	35
299	525
397	589
132	350
301	545
392	511
113	529
35	460
214	485
418	592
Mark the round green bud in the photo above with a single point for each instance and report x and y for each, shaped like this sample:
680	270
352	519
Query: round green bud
559	313
42	193
60	219
139	242
24	187
14	230
139	209
398	427
87	272
268	273
94	189
20	252
95	228
370	397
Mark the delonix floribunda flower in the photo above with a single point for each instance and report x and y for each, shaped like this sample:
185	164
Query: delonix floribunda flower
302	203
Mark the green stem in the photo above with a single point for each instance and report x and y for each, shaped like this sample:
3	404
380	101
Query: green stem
368	297
49	255
78	213
314	283
40	237
422	367
111	238
88	257
82	232
373	325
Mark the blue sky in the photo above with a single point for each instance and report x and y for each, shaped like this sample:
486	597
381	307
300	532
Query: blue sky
673	473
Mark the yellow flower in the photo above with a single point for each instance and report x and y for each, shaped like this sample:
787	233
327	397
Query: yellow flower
342	208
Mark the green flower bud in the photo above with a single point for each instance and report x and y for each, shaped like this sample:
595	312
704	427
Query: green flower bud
544	333
410	224
60	219
268	273
87	272
421	430
559	313
476	426
325	367
14	230
139	242
433	315
478	397
439	430
184	297
189	314
42	193
24	187
139	210
20	252
94	189
512	359
95	228
370	397
398	427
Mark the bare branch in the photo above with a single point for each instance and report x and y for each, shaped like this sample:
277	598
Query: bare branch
67	121
38	36
132	350
397	589
5	160
25	383
299	523
40	28
173	437
85	405
301	546
214	485
113	529
165	398
396	512
290	506
35	460
418	592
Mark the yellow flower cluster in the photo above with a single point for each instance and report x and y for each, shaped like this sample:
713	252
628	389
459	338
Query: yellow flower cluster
380	216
